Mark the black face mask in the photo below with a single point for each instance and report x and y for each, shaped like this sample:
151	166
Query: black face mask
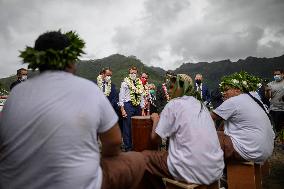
198	81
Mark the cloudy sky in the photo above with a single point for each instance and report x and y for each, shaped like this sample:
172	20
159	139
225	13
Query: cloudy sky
162	33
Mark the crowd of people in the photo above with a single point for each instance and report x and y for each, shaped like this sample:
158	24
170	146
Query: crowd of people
52	124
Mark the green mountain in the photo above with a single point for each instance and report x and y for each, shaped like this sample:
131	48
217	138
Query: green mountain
90	69
212	72
119	64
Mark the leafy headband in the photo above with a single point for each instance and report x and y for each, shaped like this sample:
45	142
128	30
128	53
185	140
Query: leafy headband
242	80
57	59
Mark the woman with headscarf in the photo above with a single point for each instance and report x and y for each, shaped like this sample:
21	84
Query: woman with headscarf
194	154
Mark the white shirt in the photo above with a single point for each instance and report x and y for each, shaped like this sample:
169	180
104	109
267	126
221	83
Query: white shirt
48	133
195	154
124	95
199	87
248	127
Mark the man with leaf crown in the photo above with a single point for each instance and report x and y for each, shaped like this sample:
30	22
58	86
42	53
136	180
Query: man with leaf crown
248	134
52	142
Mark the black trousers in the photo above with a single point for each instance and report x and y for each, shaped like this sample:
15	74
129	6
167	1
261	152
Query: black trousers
278	119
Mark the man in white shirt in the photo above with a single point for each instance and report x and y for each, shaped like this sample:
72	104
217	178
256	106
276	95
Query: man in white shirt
248	134
194	154
131	103
50	126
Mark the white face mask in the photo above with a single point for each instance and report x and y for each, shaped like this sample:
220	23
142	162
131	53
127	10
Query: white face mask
132	76
277	77
24	77
107	78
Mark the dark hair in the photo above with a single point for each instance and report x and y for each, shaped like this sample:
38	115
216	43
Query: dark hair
21	69
279	69
171	73
105	69
133	68
173	79
145	73
51	40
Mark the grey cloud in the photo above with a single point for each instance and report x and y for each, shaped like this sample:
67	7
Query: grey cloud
164	33
280	33
216	43
227	29
254	17
270	49
127	42
262	12
22	21
16	17
150	38
164	11
231	29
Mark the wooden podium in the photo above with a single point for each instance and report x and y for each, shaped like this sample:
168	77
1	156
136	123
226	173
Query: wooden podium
141	133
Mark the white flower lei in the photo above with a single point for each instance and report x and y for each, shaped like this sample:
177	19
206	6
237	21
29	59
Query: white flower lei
138	90
100	85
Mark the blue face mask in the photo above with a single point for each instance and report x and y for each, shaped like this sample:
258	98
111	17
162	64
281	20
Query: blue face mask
277	78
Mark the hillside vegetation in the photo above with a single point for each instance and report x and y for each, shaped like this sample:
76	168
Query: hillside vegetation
212	72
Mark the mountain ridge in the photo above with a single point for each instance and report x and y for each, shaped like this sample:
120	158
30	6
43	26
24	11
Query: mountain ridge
211	71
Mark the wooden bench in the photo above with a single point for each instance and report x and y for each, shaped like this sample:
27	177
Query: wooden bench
174	184
242	175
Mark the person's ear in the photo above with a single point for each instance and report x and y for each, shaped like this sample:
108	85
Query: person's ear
71	68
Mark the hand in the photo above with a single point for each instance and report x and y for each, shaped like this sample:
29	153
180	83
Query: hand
147	113
123	113
155	117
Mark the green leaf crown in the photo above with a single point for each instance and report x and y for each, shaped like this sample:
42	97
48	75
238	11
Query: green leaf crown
57	59
241	80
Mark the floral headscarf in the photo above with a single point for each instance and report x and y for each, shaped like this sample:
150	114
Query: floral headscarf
188	88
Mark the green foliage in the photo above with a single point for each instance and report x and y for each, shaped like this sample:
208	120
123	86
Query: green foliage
241	80
57	59
281	135
3	92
